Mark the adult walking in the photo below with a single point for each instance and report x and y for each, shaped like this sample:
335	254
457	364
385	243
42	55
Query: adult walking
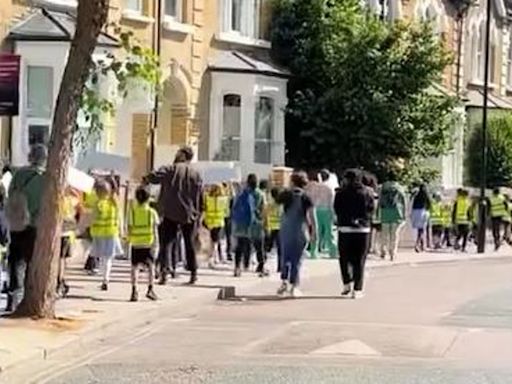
354	206
420	215
322	197
297	228
248	226
22	210
180	205
462	218
392	206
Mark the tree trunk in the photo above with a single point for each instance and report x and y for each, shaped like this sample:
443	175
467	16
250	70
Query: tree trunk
39	299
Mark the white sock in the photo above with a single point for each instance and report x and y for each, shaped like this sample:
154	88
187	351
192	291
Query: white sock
107	267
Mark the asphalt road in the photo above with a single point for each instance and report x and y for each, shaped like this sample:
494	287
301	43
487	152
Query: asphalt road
447	323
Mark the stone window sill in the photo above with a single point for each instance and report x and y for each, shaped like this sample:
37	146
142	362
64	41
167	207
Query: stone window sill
172	25
480	84
137	16
235	38
60	4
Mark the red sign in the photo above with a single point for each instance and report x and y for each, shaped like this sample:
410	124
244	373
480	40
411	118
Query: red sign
9	84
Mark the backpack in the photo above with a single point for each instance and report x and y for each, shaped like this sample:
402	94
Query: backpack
16	210
242	213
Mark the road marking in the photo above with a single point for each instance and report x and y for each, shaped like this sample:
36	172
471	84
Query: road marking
349	347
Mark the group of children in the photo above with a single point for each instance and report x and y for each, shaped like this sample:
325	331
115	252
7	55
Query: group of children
218	206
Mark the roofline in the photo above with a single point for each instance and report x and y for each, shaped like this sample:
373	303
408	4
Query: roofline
251	72
15	37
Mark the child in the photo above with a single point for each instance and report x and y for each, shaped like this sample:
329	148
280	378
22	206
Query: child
143	238
216	206
273	225
69	226
436	220
105	229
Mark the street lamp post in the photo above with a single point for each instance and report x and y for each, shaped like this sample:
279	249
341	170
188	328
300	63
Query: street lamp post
482	226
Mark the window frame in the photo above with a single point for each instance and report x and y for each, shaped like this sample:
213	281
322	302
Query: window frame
509	64
50	96
178	17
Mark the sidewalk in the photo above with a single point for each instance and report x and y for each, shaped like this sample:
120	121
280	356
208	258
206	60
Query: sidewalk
89	311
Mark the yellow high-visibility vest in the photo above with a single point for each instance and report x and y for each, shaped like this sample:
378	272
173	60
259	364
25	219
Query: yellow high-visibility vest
498	206
215	211
90	199
462	212
447	214
274	216
68	216
106	219
141	225
436	213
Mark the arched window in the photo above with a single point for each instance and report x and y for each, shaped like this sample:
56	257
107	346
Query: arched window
232	123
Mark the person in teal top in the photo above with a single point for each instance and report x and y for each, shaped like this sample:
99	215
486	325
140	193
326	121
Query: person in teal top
28	180
392	208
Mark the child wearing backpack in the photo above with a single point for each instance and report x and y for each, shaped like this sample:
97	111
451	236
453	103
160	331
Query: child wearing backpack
105	228
143	238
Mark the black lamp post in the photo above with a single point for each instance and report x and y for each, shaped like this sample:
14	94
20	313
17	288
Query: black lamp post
482	222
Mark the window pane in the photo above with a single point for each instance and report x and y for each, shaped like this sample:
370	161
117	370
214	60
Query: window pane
264	126
38	134
232	122
134	5
39	91
264	118
236	15
171	8
263	152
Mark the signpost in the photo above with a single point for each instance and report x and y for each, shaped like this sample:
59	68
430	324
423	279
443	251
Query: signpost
9	84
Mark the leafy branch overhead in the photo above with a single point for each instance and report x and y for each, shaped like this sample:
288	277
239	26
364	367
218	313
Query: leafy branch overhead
363	89
133	65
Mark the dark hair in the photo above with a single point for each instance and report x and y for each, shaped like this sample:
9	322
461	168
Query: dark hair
142	195
353	178
274	192
188	153
263	184
299	179
252	181
496	190
422	198
325	174
369	179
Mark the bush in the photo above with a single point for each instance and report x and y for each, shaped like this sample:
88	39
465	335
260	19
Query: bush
499	153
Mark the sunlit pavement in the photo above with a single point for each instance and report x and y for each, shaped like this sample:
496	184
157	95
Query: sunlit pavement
447	323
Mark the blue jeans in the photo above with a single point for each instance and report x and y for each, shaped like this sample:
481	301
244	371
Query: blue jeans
292	251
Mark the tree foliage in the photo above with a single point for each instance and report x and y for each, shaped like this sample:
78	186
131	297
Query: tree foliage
361	94
499	153
133	64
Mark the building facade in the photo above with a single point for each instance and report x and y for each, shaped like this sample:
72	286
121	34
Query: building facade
220	92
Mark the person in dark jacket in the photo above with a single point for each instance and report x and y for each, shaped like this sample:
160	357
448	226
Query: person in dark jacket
354	206
180	206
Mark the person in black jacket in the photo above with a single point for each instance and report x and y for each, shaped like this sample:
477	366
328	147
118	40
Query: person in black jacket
354	206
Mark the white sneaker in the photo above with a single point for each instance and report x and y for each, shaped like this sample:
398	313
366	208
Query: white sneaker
357	294
346	290
295	292
283	289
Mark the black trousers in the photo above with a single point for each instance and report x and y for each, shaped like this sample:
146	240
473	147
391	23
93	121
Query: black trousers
496	229
227	232
353	250
272	239
168	232
20	254
462	234
243	250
